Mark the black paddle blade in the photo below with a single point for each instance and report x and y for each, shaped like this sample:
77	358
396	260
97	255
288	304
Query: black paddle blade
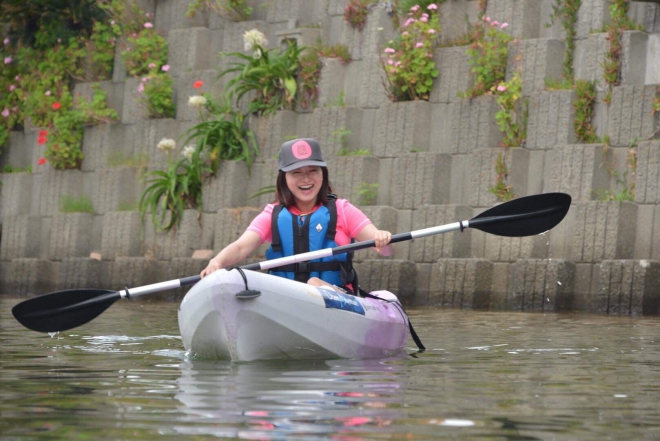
526	216
62	310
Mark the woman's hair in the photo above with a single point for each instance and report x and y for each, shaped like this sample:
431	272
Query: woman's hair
285	197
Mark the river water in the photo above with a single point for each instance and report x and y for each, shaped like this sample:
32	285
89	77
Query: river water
492	376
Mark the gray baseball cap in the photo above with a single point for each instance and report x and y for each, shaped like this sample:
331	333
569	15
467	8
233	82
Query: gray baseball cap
298	153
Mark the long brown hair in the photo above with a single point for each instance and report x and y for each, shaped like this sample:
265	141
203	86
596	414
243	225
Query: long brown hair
285	197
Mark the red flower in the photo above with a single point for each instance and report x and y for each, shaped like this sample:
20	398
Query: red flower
56	105
43	132
198	84
42	161
41	140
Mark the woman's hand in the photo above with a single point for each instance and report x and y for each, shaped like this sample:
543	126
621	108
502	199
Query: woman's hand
213	265
382	238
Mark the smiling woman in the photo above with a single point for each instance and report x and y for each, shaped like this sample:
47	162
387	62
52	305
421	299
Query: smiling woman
306	217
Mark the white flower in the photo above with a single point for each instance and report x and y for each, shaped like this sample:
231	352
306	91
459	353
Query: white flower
256	54
196	102
166	144
188	152
254	38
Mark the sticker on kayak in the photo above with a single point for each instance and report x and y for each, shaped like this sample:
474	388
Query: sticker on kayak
337	300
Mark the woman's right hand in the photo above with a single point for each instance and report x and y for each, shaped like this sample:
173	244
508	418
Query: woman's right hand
212	266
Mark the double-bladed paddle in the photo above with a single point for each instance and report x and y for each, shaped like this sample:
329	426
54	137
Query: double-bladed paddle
62	310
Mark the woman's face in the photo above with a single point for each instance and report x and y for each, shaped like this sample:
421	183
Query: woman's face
305	184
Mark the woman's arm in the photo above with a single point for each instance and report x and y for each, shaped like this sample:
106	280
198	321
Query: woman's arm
234	252
381	237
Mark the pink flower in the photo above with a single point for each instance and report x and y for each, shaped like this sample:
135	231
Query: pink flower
424	19
48	93
12	87
149	14
59	40
501	88
409	21
487	19
17	78
145	79
415	8
495	23
165	68
152	65
389	50
432	7
404	34
504	25
393	69
141	88
6	41
418	45
431	31
5	113
397	64
112	22
148	25
7	60
390	61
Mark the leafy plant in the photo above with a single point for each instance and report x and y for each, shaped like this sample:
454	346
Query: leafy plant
408	63
309	71
503	191
71	204
512	124
13	169
169	192
157	95
356	11
222	134
236	10
339	136
567	11
583	105
145	52
270	74
367	193
488	56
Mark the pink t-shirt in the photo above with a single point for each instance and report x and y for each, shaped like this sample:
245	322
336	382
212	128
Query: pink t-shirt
350	221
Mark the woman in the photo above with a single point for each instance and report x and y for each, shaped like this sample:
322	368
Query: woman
306	217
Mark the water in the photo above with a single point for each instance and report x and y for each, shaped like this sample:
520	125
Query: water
492	376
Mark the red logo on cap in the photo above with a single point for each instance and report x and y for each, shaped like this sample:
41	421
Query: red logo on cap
301	149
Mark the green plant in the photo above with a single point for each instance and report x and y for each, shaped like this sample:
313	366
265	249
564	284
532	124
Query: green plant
620	23
119	159
64	141
561	84
145	52
222	134
488	56
626	188
567	11
512	125
367	193
309	71
503	191
13	169
71	204
270	74
157	95
583	106
95	111
356	11
359	152
169	192
338	136
408	63
338	103
236	10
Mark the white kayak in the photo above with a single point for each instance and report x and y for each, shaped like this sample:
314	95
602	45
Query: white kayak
289	320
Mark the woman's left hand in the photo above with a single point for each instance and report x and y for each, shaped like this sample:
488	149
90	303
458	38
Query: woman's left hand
382	238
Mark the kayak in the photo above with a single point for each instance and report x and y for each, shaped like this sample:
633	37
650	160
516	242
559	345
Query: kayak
287	320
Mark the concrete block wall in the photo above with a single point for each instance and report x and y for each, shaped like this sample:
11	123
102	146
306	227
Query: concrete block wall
427	164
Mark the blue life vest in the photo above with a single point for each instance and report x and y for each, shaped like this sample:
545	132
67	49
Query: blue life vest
301	234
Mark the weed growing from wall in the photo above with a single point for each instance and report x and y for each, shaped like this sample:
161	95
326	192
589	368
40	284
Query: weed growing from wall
583	106
566	11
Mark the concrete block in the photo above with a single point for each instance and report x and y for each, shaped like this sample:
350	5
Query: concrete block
455	19
420	179
80	272
367	90
232	34
646	14
652	59
171	14
440	246
331	82
499	288
627	287
53	185
28	276
578	170
5	268
16	194
453	64
133	109
483	175
189	49
114	188
590	54
633	57
20	237
296	12
523	16
16	152
299	36
103	145
70	235
461	283
121	235
331	126
228	188
230	224
585	286
355	178
384	218
470	124
336	7
132	272
631	114
274	130
647	183
538	60
263	177
119	72
142	139
193	233
423	293
593	16
550	29
550	119
396	276
602	231
402	127
541	285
